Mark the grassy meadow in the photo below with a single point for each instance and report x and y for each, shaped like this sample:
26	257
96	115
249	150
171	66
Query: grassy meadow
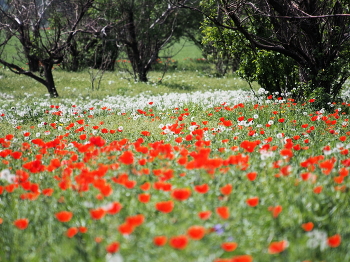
189	168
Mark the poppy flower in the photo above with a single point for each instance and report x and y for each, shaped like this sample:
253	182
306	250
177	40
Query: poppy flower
277	247
47	191
126	229
242	258
334	241
127	158
71	232
21	223
144	198
159	240
222	260
229	246
114	208
97	213
204	215
196	232
223	212
113	247
181	194
308	226
145	186
252	176
165	206
275	210
83	229
318	189
64	216
202	189
226	190
145	133
178	242
253	201
136	220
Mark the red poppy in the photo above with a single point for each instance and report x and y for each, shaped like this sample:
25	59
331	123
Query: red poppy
114	208
318	189
16	155
21	223
145	133
181	194
112	247
178	242
343	172
334	241
64	216
126	229
223	212
308	226
242	258
97	141
127	158
159	240
229	246
165	206
204	215
277	247
252	176
253	201
47	191
196	232
144	198
146	186
275	210
97	213
136	220
202	189
83	229
226	190
71	232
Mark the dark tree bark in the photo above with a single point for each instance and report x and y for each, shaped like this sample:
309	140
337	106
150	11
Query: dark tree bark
42	47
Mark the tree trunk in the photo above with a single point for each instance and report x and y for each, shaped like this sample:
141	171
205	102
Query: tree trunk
142	74
50	84
33	64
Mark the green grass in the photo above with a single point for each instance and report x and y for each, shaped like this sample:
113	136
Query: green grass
70	84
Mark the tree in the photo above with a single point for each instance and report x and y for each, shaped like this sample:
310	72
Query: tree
143	28
43	30
315	34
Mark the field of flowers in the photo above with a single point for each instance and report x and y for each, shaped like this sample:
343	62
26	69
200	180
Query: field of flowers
203	176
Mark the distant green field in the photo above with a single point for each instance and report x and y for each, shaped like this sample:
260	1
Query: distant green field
183	50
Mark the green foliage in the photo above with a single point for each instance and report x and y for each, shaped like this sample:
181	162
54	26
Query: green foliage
309	57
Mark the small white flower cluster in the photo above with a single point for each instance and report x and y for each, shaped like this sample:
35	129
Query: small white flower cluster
7	176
